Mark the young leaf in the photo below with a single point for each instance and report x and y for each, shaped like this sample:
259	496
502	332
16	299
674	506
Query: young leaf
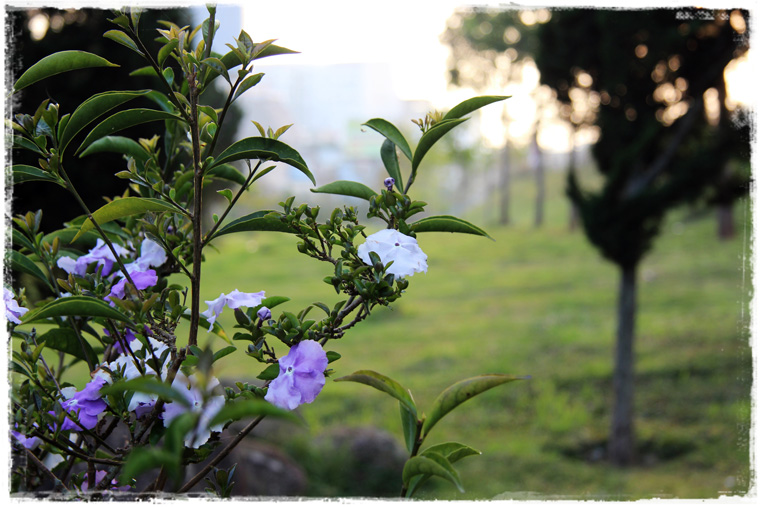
349	188
82	306
391	133
124	207
57	63
452	451
390	161
447	223
470	105
431	464
272	50
262	148
384	384
123	120
460	392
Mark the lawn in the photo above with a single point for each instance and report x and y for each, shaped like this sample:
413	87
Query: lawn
541	302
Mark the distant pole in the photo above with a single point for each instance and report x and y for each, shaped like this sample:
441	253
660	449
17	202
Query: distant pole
536	163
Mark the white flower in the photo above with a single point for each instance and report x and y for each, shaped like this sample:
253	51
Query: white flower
391	245
207	404
13	311
233	300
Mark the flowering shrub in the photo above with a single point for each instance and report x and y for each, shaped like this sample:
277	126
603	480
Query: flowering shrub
110	305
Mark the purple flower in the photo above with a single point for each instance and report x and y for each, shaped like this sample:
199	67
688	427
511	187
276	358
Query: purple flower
86	405
13	311
30	443
234	299
389	183
142	279
391	245
203	402
301	376
152	255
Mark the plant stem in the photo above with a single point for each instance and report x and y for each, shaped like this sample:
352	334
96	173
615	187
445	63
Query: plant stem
195	280
240	436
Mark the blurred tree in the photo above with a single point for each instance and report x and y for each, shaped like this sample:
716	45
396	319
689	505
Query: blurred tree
654	81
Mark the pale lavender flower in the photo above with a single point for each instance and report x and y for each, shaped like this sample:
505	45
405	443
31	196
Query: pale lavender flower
391	245
233	300
142	279
206	404
86	405
152	255
13	311
389	183
100	253
301	376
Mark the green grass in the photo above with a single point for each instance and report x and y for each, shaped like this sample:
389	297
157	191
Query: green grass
541	302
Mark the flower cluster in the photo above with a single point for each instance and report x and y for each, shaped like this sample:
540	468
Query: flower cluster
83	406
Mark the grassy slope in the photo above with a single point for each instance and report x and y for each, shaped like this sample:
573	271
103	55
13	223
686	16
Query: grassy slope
541	302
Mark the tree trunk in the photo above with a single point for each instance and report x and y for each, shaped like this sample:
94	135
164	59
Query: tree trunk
504	183
571	165
621	445
726	228
537	161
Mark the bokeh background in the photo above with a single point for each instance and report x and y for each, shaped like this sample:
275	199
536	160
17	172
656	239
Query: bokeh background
539	300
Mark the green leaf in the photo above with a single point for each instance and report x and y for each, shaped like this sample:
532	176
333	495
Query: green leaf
452	451
57	63
143	459
147	385
123	39
272	50
223	352
390	161
431	464
447	223
251	408
92	108
263	148
384	384
66	341
460	392
429	138
82	306
124	207
391	133
470	105
349	188
22	263
408	426
23	173
249	82
123	120
228	172
166	50
273	301
216	66
117	144
258	221
271	372
216	328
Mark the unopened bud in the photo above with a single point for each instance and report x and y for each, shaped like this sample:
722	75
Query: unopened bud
389	183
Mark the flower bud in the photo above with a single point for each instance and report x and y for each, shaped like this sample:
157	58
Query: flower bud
389	183
264	313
